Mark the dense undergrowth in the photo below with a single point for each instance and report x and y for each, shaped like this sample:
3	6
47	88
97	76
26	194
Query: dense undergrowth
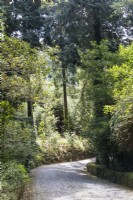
14	177
57	148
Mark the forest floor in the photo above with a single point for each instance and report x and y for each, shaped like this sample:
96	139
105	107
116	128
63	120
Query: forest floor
70	181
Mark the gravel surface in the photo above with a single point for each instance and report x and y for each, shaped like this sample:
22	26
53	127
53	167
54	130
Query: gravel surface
70	181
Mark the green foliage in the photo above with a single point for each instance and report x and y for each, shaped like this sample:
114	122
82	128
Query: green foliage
105	89
122	178
18	141
80	103
57	148
7	112
19	63
14	176
23	20
122	119
23	70
96	93
123	11
44	118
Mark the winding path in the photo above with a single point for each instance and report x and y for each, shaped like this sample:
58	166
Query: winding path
69	181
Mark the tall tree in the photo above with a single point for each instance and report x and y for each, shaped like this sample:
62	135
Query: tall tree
121	81
19	63
23	21
74	24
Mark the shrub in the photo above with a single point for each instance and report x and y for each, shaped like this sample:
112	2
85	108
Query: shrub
123	178
57	148
18	142
14	176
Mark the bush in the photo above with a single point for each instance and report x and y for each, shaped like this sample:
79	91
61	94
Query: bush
14	177
123	178
57	148
121	123
19	143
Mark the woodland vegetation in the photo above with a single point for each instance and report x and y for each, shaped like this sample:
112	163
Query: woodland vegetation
66	85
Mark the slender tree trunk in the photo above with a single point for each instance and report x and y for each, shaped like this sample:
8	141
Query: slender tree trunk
30	111
65	98
30	105
102	155
98	37
97	24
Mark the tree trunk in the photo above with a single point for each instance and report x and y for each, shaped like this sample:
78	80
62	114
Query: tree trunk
65	97
98	37
30	111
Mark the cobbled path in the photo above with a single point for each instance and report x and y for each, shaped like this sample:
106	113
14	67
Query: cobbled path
70	181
